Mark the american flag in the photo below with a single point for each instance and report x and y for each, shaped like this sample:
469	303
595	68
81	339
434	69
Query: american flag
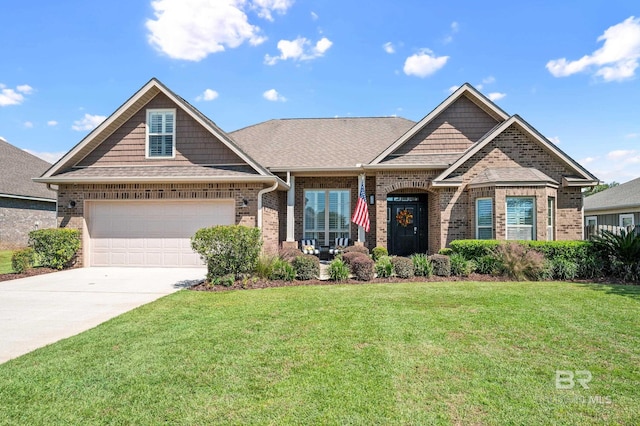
361	213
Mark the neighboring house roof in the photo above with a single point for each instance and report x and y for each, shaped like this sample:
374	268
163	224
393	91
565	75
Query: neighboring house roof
582	176
17	168
124	113
511	176
619	197
319	143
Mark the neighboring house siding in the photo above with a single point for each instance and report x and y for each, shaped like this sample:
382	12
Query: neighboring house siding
454	130
614	218
73	217
19	217
194	144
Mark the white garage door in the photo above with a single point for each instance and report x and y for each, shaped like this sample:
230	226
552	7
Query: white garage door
151	233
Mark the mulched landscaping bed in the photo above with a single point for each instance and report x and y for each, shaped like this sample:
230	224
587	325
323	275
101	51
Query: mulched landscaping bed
29	273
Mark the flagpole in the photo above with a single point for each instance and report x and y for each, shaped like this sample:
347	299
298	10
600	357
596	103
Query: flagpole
361	184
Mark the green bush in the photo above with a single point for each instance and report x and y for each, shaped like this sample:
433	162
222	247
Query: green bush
307	267
289	254
358	249
402	267
228	249
441	265
384	267
338	270
460	266
422	265
564	269
622	252
520	263
474	249
55	247
22	260
362	268
282	270
591	266
348	257
378	252
225	280
264	266
446	251
488	265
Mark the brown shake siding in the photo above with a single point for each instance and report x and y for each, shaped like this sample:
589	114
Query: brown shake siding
194	144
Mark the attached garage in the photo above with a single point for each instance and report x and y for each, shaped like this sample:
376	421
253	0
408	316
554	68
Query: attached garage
150	233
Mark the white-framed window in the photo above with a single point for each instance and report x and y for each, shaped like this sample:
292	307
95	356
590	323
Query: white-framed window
327	214
591	220
484	219
521	218
551	217
161	133
626	220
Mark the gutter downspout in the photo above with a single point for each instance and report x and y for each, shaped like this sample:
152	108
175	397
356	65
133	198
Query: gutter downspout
260	194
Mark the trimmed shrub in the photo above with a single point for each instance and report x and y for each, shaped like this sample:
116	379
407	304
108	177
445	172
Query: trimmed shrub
55	247
488	265
362	268
348	257
338	270
422	265
564	269
519	263
22	260
228	249
359	249
282	270
445	251
378	252
384	267
225	280
591	266
441	265
474	249
402	267
460	266
289	254
307	267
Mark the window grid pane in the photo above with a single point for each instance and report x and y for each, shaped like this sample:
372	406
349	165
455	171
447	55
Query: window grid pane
327	215
161	133
484	219
520	218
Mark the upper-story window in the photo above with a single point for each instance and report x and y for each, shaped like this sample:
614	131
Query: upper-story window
161	133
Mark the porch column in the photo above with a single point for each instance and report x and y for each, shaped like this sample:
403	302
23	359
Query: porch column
362	181
291	219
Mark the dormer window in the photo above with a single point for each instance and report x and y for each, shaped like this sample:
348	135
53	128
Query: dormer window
161	133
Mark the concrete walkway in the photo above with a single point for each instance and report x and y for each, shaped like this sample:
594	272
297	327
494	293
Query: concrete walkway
40	310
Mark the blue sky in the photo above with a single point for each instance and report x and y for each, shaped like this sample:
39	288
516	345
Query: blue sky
569	68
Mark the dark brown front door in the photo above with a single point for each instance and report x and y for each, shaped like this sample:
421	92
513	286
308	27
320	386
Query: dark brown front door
406	225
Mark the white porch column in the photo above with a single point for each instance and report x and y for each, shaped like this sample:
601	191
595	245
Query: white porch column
291	219
361	181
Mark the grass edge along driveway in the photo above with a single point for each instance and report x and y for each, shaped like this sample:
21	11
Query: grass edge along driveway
428	353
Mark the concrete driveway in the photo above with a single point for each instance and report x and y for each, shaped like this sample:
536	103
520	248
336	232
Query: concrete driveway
40	310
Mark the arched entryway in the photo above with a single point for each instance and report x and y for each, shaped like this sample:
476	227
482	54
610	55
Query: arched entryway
407	223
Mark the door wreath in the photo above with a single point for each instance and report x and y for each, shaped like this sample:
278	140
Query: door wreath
404	218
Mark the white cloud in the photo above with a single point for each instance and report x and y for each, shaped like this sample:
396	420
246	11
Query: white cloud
389	47
616	60
621	154
588	160
424	63
88	122
453	89
314	16
299	49
52	123
50	157
555	140
28	124
496	96
207	95
632	135
265	7
455	27
274	96
193	29
619	165
15	96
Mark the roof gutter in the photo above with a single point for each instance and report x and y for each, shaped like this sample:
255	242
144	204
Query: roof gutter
62	180
24	197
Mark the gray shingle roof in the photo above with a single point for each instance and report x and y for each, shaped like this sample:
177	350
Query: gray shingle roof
621	196
511	175
319	143
17	167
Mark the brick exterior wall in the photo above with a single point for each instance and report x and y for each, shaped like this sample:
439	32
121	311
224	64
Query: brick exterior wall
245	215
19	217
270	222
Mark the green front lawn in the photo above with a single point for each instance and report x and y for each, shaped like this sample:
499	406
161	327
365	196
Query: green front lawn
428	353
5	261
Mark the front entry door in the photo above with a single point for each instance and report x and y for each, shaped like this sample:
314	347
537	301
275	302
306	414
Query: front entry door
406	230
